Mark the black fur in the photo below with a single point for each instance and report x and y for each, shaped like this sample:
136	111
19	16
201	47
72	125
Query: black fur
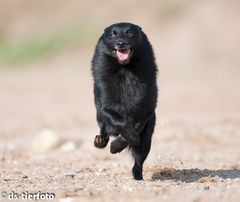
125	90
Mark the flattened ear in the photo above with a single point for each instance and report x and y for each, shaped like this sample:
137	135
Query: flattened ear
106	29
139	28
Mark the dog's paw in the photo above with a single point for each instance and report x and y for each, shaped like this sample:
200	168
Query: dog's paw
118	145
137	172
101	142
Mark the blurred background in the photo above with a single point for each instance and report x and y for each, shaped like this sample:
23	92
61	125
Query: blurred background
46	93
46	49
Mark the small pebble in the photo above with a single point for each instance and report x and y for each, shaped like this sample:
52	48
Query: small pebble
68	199
45	141
68	146
70	175
206	187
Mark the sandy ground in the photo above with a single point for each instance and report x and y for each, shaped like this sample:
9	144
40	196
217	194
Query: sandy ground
195	153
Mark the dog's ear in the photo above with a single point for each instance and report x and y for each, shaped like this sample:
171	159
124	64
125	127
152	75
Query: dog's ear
106	29
139	28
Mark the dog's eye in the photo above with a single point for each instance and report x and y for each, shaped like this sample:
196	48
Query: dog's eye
113	34
129	33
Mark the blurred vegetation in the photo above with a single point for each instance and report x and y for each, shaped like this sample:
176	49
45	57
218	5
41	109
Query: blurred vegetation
188	31
81	33
29	49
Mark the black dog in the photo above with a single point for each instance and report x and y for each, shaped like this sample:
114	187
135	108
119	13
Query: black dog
125	90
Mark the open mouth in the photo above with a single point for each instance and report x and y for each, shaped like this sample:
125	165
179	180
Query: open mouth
123	54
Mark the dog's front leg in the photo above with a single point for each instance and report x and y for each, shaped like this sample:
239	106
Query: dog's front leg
101	140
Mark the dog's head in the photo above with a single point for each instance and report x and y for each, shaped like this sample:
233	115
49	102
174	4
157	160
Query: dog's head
122	39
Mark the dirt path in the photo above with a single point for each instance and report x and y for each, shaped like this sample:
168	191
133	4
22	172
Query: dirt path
195	154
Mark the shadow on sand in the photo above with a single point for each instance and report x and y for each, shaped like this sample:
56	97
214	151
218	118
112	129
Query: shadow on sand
193	175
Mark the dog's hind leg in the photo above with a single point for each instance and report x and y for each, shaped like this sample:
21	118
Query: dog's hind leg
141	151
119	144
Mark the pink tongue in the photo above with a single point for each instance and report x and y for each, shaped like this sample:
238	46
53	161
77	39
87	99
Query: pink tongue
123	55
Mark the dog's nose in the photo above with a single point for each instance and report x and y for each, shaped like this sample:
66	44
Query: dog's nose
120	44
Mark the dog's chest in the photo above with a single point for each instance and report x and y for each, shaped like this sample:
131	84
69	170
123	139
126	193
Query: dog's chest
125	90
